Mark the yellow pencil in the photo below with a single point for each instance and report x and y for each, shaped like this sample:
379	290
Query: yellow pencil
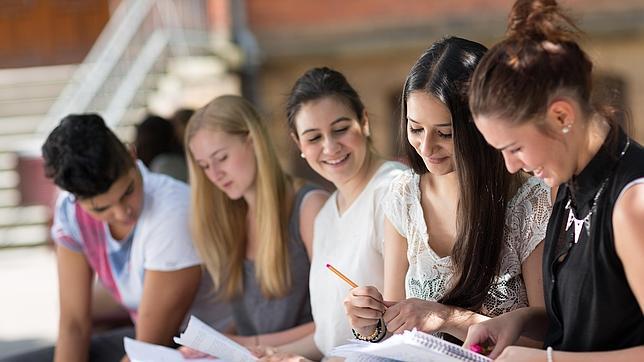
342	276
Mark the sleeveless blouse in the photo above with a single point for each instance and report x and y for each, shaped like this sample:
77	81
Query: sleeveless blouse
255	314
429	275
589	302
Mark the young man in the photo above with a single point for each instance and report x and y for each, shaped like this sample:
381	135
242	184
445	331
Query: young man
130	228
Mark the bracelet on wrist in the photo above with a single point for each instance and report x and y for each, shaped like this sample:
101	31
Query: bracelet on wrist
377	335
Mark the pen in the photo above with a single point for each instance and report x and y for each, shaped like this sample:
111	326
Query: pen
342	276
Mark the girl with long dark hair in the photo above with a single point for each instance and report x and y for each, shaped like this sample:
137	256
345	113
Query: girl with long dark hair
462	235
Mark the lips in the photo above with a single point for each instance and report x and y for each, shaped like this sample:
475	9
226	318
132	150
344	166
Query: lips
436	160
336	161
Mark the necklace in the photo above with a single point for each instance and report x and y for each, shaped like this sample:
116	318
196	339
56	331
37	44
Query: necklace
585	221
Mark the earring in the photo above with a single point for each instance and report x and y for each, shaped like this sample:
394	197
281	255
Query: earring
302	155
566	129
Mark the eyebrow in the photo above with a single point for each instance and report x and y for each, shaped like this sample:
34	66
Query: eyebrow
217	151
339	119
435	125
507	146
103	208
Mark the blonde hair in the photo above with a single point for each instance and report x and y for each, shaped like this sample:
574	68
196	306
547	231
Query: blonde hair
218	223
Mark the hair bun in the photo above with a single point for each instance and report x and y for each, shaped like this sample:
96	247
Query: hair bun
540	20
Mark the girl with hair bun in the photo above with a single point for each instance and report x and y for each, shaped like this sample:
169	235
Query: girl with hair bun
530	97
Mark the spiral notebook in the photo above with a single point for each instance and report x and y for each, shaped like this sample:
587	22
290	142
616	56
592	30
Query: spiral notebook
411	346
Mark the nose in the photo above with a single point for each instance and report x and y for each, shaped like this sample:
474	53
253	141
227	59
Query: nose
512	163
426	145
331	146
123	211
214	173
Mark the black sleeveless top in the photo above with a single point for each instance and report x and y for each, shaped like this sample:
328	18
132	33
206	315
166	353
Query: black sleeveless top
255	314
589	303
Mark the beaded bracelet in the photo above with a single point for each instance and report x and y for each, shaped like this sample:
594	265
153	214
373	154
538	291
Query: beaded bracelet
377	335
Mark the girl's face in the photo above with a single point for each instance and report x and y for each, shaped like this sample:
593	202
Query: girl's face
429	131
526	147
227	160
332	139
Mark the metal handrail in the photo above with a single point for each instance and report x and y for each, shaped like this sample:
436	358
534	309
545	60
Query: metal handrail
131	44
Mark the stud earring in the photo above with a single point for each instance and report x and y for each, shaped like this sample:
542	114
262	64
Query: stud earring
566	129
302	155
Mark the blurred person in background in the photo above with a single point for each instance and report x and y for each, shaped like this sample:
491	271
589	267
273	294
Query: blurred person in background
158	147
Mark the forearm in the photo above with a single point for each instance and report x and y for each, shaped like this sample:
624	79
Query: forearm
458	320
303	347
629	354
73	342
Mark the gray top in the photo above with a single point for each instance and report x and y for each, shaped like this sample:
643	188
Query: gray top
255	314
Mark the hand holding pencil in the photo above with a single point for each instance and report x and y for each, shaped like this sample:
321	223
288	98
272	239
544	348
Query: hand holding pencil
364	306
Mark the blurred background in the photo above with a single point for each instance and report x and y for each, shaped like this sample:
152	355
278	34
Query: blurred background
127	58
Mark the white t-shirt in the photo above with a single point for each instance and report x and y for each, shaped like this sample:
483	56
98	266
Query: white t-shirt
352	243
160	241
429	275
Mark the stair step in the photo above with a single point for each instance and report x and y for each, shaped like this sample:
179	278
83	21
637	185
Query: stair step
8	179
24	215
8	160
24	107
19	124
28	235
21	142
9	197
18	91
54	73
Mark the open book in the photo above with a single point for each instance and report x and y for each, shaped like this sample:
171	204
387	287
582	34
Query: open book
411	346
198	335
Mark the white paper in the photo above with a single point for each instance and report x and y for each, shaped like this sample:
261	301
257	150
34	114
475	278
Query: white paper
204	338
139	351
410	346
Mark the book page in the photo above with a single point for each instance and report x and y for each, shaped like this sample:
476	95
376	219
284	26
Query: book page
204	338
139	351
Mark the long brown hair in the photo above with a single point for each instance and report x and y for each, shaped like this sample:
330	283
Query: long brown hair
485	186
219	223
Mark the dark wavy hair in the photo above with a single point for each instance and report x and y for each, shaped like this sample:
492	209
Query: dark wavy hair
485	187
84	157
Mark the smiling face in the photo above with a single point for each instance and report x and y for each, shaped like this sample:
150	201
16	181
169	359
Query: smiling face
527	147
121	205
227	160
429	131
332	139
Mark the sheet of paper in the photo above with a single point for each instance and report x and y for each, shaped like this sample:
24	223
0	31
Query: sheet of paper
139	351
204	338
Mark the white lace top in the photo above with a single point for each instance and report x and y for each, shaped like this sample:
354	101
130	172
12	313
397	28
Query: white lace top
429	275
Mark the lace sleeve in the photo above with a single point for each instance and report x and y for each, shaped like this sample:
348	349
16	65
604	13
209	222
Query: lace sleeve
530	212
394	202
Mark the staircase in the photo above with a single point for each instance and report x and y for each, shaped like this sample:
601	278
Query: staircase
152	54
25	97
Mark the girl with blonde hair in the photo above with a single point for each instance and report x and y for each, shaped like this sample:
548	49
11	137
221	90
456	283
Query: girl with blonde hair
252	223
